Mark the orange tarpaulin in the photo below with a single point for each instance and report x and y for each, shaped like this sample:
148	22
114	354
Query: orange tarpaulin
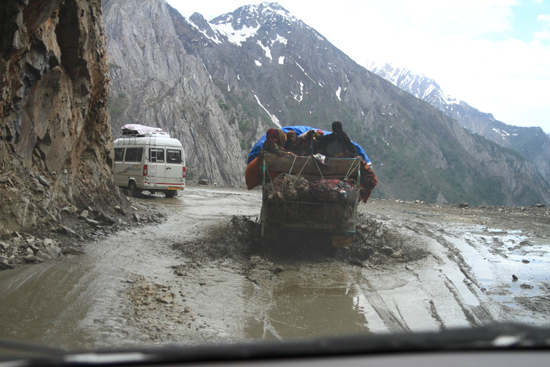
368	182
253	174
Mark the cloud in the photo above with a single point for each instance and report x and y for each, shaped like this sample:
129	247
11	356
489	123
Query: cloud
542	36
465	49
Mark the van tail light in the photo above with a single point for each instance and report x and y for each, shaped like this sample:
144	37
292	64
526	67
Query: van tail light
145	170
183	172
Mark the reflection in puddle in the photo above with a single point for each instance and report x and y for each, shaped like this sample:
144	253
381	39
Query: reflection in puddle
302	311
508	263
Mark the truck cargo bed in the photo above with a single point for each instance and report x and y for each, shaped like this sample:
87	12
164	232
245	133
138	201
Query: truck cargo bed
301	194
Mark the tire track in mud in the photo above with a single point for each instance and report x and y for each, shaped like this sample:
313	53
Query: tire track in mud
470	316
476	316
436	316
392	322
396	317
432	310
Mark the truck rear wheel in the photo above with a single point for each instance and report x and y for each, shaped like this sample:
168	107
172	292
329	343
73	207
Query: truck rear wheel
170	194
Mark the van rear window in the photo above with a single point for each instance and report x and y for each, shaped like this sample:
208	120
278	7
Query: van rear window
119	154
173	156
133	154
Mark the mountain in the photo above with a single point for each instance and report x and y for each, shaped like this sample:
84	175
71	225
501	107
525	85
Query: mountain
531	142
155	82
56	147
231	78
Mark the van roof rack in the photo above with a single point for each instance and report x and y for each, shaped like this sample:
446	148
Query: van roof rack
136	130
139	135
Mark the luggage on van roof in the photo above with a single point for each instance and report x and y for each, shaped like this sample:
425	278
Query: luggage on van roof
136	129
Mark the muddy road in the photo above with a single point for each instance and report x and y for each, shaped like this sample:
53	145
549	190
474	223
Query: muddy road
201	277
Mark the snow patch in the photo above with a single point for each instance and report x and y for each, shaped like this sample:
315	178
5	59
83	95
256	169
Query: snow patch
428	91
266	50
503	134
338	93
303	71
300	97
234	36
274	119
449	100
301	68
280	39
281	60
258	63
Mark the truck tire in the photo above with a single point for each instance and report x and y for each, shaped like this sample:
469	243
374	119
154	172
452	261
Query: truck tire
133	191
170	194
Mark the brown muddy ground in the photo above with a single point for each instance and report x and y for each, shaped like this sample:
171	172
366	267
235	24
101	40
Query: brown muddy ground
203	277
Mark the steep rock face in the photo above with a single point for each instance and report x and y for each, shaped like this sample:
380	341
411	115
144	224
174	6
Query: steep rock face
531	142
156	83
55	141
279	71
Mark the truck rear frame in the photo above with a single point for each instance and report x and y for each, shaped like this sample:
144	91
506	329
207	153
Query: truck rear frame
286	213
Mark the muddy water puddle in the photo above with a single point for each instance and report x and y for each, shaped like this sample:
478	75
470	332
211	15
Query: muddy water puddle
43	303
299	311
297	299
508	263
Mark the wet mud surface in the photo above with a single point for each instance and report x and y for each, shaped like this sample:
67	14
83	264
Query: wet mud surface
203	276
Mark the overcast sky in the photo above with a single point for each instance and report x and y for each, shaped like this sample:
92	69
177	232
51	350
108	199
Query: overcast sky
492	54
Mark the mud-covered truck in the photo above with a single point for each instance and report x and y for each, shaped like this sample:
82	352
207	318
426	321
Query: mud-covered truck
307	200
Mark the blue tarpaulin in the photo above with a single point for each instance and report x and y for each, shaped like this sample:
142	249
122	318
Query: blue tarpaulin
257	148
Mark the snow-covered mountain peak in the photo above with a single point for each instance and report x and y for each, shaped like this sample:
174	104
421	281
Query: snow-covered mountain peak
417	84
245	22
252	15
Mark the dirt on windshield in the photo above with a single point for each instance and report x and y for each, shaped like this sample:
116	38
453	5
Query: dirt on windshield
202	275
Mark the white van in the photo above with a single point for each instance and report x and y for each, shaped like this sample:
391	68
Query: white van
151	162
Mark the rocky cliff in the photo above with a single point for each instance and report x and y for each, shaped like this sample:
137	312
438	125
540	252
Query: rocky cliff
55	140
156	82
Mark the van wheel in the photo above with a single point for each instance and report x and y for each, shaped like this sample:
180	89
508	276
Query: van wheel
170	194
133	190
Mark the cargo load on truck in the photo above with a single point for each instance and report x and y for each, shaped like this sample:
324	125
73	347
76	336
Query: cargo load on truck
311	194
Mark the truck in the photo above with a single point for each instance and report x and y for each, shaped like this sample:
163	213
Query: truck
306	199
